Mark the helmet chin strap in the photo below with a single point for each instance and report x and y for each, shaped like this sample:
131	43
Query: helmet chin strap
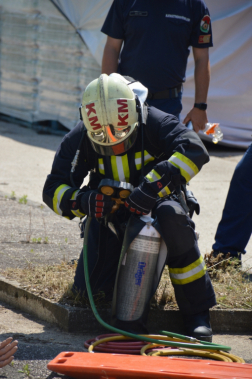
74	163
80	113
139	108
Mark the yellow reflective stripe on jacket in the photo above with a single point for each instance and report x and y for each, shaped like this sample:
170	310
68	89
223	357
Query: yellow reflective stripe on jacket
138	159
77	213
189	273
58	194
187	168
153	176
101	166
165	191
120	168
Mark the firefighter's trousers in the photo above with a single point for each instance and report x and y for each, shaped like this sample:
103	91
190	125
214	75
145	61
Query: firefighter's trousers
192	285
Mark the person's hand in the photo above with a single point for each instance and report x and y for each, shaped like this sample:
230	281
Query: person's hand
7	349
141	200
198	119
192	203
95	204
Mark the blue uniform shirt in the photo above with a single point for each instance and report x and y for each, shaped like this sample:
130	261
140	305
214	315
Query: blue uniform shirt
157	36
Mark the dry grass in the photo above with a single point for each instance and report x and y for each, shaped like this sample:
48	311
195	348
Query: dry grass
233	289
52	282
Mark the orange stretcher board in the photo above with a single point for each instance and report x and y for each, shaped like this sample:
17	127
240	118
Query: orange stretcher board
122	366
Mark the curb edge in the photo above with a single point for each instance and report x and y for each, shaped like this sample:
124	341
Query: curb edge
73	319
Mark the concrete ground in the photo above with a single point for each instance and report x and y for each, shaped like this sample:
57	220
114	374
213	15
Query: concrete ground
40	342
25	160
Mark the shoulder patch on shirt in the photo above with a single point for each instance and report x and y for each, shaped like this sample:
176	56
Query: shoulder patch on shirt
204	39
205	24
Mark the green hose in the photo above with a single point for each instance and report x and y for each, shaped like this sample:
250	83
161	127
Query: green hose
204	344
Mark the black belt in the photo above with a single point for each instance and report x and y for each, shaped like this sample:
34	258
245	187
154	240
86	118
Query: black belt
166	94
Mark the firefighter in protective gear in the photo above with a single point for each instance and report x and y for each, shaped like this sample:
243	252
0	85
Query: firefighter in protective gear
121	138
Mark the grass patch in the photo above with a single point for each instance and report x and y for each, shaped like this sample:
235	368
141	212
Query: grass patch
23	199
232	287
52	282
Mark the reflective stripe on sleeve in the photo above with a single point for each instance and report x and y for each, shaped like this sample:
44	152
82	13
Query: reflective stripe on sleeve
138	159
165	191
189	273
120	168
153	176
58	194
77	212
101	166
187	168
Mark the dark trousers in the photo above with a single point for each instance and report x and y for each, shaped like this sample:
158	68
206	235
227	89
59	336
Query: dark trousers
235	227
193	289
103	256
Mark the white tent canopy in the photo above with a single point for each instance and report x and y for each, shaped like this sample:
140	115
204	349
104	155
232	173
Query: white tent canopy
87	17
230	93
44	65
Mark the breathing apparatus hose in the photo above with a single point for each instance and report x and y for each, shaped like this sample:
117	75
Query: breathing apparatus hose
197	344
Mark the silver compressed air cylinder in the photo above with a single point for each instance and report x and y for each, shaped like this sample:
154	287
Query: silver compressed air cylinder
137	273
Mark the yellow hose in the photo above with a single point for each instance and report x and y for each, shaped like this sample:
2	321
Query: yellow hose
211	354
234	358
201	353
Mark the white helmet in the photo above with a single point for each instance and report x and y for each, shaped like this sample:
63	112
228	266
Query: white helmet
110	115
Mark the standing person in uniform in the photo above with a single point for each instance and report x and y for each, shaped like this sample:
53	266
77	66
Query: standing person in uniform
156	37
122	139
235	228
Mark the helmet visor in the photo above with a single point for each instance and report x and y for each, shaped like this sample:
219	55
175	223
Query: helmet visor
110	141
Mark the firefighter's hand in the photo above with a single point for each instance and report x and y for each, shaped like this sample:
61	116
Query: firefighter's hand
95	204
141	200
7	349
192	203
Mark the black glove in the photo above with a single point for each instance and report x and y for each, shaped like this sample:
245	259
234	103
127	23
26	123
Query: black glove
192	203
141	200
164	178
95	204
161	181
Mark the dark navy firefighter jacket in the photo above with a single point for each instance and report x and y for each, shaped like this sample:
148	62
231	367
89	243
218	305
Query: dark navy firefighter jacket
165	138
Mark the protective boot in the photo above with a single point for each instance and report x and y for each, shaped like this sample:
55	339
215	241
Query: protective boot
198	326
